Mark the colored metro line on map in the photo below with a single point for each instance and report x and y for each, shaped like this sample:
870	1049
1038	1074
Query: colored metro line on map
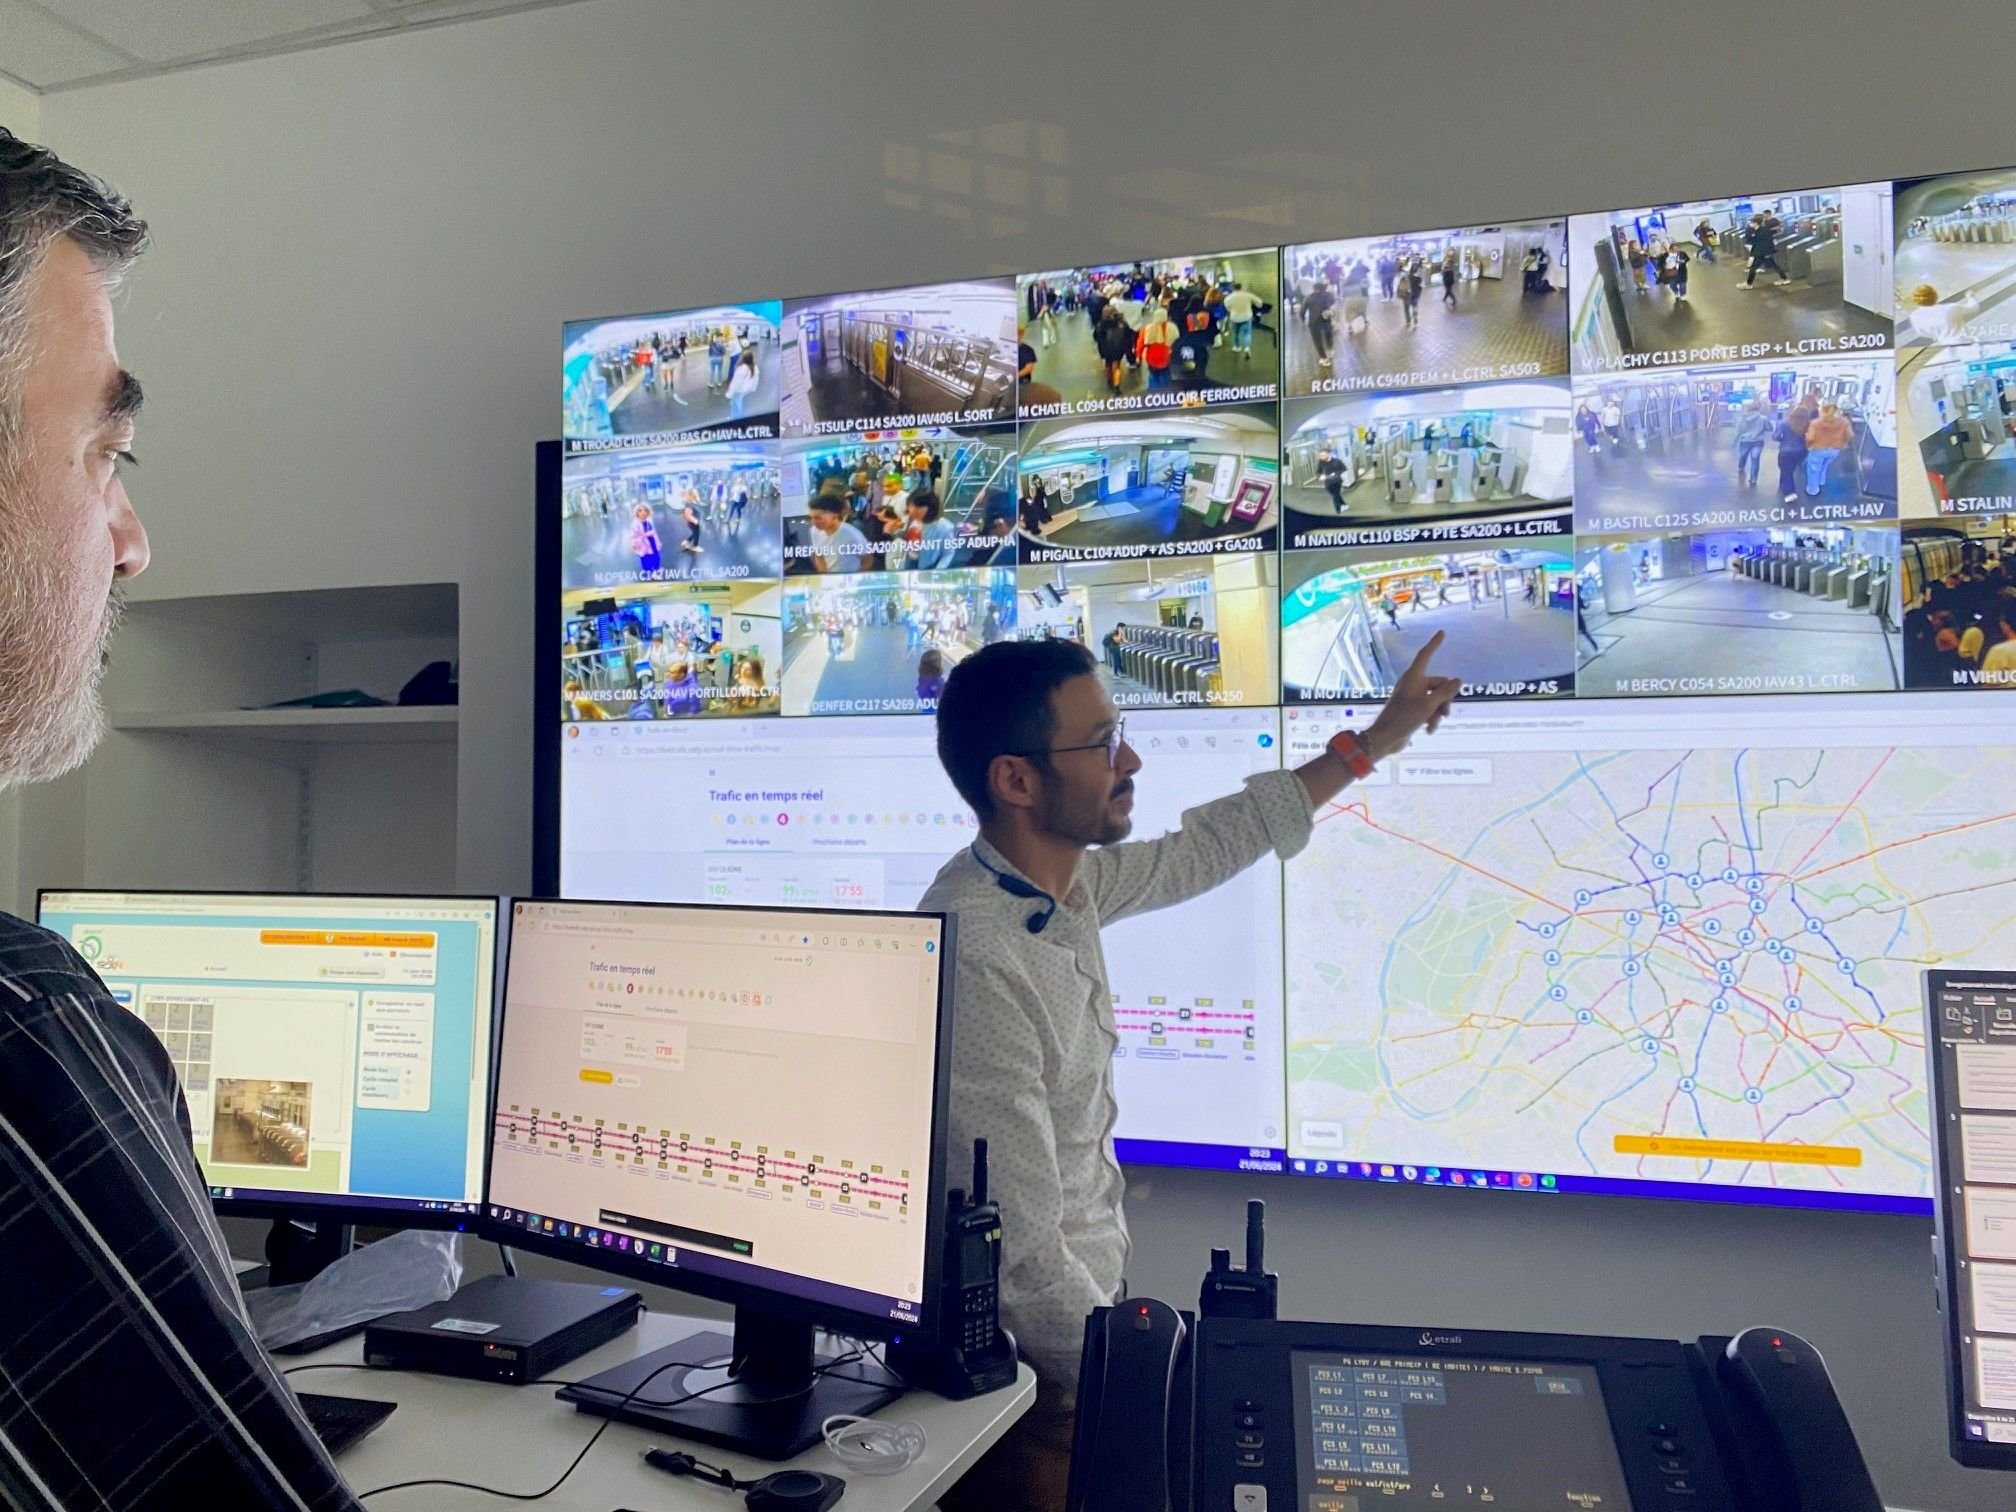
1687	965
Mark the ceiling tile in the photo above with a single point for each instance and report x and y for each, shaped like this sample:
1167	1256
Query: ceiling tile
45	52
169	32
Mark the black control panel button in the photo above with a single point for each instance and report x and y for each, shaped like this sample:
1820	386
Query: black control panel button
1672	1467
1667	1446
1245	1404
1249	1420
1250	1459
1249	1441
1679	1485
1662	1430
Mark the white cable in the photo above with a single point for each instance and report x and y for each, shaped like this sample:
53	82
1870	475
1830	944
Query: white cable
869	1447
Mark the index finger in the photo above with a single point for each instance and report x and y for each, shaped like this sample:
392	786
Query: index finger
1417	670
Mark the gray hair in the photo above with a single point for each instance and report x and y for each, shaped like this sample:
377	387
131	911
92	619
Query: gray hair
42	199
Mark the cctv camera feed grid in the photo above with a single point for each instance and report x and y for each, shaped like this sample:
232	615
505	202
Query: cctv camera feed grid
1639	455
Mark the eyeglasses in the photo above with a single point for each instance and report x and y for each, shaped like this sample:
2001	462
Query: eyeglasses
1110	745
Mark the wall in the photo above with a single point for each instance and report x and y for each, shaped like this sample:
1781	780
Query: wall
350	321
20	111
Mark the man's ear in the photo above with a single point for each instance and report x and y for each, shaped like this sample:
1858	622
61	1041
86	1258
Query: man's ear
1012	782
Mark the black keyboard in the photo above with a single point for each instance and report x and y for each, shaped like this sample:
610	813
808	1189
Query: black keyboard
340	1421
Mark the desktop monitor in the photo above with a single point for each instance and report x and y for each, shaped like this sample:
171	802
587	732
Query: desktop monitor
334	1051
1972	1050
744	1103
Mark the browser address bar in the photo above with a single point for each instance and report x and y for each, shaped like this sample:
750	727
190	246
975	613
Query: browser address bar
690	934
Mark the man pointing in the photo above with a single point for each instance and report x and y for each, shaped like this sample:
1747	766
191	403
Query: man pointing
1031	739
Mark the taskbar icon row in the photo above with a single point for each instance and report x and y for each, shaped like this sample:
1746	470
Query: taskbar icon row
1427	1175
595	1238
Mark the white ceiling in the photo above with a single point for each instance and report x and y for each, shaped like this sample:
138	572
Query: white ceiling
65	44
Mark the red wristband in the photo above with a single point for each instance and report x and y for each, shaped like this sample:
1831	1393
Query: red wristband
1350	750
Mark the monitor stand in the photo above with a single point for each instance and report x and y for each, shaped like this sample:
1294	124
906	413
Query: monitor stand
301	1249
762	1393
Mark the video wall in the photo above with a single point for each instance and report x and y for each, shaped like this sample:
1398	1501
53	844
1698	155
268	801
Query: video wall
1647	916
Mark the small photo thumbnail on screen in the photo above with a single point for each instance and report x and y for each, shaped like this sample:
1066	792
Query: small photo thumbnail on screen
1198	633
939	355
1729	280
673	377
1429	455
1955	259
261	1123
670	651
1958	407
691	513
1959	595
1151	333
1425	309
925	499
1167	484
1791	609
1352	620
884	642
1808	441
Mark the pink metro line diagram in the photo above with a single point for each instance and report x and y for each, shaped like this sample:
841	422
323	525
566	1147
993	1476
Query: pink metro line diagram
731	1162
1201	1020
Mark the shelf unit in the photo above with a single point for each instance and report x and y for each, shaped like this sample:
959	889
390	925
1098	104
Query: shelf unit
198	786
393	725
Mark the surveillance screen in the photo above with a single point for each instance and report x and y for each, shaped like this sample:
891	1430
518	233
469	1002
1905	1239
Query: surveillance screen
1710	505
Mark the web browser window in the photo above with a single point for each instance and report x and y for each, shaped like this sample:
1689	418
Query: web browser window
744	1093
332	1050
858	813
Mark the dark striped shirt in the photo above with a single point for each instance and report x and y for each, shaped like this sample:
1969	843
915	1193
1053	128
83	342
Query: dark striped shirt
129	1378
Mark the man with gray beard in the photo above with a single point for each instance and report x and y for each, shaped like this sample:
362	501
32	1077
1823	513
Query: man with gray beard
129	1377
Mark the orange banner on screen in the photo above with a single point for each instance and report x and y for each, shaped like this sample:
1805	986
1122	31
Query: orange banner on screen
352	938
1737	1149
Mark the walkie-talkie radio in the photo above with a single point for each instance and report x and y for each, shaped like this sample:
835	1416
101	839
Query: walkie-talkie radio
1250	1293
973	1353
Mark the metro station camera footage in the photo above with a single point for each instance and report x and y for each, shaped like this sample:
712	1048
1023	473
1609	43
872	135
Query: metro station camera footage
673	377
1643	467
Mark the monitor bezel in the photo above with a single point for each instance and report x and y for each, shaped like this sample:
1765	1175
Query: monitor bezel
1946	1175
726	1289
385	1212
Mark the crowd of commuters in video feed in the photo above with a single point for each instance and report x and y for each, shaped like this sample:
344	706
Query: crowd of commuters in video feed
652	363
883	510
1152	329
1332	293
1964	632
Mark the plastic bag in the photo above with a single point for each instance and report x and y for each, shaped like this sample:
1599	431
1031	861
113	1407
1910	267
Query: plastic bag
400	1272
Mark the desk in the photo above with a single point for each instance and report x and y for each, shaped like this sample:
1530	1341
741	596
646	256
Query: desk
519	1438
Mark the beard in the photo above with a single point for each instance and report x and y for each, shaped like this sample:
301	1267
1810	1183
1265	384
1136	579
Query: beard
1086	818
53	655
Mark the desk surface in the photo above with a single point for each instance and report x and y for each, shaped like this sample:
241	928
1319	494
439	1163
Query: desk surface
518	1438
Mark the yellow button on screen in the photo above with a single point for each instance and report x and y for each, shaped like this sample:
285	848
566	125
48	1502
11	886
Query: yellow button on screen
1737	1149
348	939
600	1078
